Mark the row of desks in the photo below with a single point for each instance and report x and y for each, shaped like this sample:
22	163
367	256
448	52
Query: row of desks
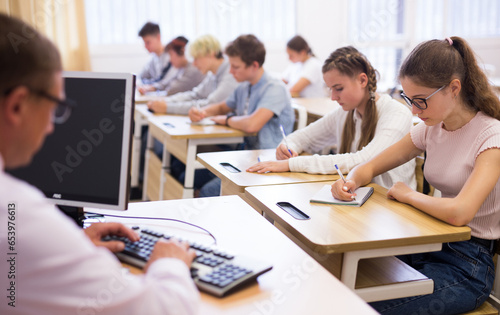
356	245
297	284
350	242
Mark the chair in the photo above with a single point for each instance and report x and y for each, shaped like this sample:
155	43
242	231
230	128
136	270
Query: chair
300	116
422	185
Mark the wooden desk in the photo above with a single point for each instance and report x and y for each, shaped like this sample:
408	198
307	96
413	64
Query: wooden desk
235	183
181	139
316	107
151	96
340	236
296	285
141	118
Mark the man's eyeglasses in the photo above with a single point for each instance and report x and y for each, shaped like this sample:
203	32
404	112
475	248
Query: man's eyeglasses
420	103
63	108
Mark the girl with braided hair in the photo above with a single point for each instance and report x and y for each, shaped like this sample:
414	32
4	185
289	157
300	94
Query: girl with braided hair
362	126
460	133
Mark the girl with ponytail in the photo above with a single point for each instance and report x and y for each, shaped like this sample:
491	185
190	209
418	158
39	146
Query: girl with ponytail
303	75
362	126
460	134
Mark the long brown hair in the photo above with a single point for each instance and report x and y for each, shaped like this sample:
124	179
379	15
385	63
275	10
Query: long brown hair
350	62
435	63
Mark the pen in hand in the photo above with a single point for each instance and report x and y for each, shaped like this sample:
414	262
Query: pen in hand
284	139
343	179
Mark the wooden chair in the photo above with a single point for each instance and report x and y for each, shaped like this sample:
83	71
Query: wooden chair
422	185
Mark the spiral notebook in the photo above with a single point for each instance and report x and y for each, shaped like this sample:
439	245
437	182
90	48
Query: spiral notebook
325	196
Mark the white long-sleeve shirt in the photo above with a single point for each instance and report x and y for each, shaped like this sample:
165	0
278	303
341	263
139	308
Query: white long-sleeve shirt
214	88
394	122
56	269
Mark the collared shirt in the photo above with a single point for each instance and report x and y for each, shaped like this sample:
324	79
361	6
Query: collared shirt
153	70
58	270
215	88
268	93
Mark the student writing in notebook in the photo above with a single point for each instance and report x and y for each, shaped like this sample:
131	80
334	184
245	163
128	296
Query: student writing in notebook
154	72
59	268
260	104
303	77
362	126
187	76
216	87
460	133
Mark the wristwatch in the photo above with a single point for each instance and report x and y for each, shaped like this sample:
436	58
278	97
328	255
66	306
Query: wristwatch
229	116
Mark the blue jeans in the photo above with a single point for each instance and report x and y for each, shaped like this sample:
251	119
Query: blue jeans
211	189
463	275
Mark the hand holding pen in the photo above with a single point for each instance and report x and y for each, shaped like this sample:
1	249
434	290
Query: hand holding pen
343	179
196	113
282	155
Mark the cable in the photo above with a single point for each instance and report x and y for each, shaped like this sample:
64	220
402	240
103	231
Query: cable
153	218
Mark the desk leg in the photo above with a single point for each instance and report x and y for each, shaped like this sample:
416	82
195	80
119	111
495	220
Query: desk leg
351	259
139	122
188	192
165	166
149	148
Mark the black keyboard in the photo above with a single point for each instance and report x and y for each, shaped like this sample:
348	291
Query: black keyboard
214	271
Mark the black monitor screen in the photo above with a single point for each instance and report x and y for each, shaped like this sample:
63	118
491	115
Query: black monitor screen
85	161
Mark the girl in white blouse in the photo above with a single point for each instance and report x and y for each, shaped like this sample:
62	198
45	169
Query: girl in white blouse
362	126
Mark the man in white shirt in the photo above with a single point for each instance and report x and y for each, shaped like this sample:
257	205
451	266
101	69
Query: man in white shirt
49	265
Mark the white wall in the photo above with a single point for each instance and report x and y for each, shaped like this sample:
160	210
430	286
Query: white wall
323	23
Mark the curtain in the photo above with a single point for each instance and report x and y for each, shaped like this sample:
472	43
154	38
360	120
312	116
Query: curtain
63	21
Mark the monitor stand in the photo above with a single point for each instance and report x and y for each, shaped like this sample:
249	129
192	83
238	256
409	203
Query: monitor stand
75	213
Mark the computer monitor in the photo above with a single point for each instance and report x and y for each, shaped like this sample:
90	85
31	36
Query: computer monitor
85	162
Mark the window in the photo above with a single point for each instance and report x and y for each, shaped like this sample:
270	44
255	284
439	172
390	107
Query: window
386	30
226	19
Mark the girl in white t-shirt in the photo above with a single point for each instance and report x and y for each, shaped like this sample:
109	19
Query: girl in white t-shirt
303	77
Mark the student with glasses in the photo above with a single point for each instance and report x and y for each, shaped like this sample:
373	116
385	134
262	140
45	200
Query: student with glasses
58	268
460	133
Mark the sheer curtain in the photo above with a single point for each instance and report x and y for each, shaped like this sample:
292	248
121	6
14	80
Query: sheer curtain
63	21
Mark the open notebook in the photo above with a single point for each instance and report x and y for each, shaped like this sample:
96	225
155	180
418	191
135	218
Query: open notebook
325	196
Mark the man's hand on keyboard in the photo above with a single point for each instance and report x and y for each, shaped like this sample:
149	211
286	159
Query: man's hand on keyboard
171	249
99	230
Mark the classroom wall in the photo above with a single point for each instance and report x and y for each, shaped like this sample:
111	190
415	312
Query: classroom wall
322	22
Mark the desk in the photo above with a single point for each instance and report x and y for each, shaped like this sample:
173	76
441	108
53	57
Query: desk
235	183
151	96
295	285
316	107
181	139
340	236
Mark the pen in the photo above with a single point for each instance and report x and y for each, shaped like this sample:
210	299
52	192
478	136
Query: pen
343	179
284	139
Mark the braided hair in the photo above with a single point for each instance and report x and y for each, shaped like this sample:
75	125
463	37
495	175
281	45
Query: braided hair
350	62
